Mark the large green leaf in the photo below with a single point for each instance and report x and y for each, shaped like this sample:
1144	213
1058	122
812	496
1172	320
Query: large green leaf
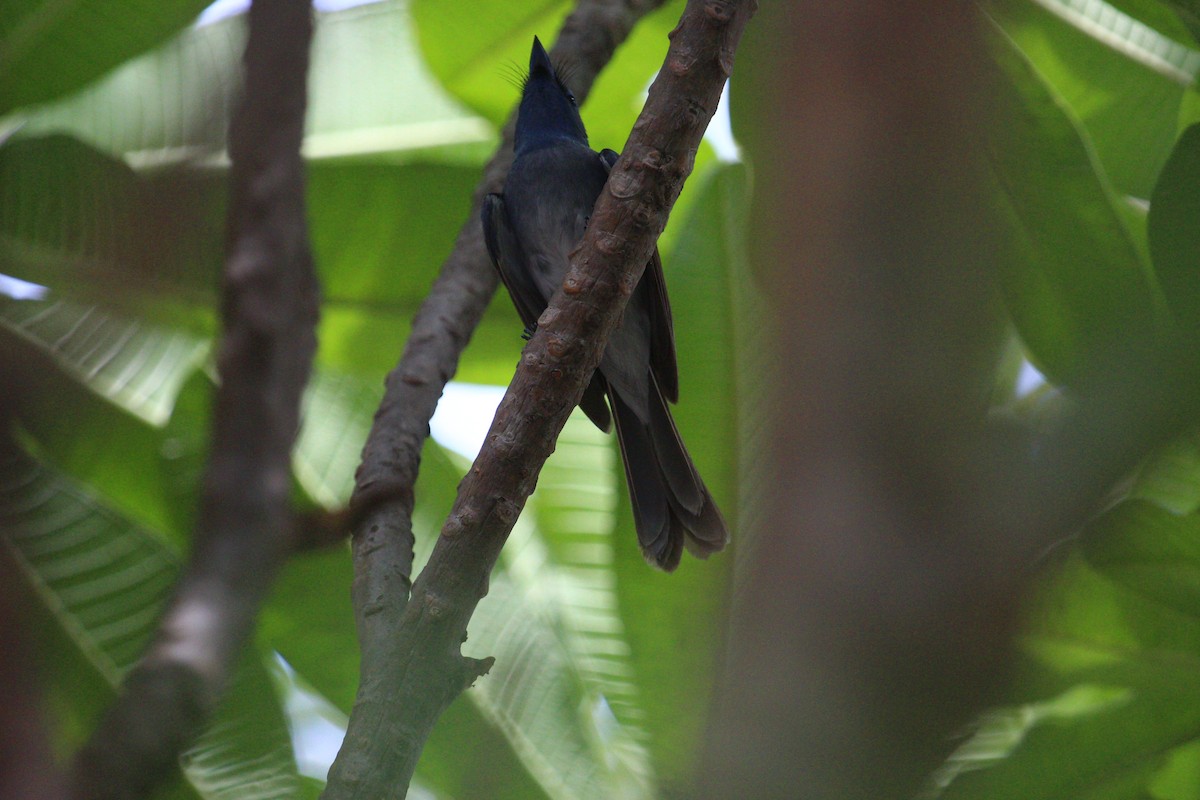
369	94
88	227
1121	79
1174	230
672	621
372	92
135	365
103	580
1151	550
1189	14
1112	709
1077	278
1156	14
81	433
75	219
1170	476
558	564
477	50
85	224
48	48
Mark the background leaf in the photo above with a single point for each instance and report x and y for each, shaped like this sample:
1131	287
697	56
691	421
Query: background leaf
370	95
49	48
103	581
1115	713
1175	233
1078	283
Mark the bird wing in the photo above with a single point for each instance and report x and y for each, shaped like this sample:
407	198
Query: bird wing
662	328
506	253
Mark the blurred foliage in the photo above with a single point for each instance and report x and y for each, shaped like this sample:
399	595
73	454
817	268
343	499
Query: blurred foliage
112	195
1101	97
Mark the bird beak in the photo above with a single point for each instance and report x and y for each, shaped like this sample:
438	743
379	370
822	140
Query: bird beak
538	59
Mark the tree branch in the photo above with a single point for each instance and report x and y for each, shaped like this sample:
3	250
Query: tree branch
382	502
270	305
400	702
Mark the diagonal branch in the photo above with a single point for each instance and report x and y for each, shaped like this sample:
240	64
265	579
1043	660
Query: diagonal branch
270	304
429	671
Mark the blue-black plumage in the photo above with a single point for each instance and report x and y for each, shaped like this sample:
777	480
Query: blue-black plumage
531	230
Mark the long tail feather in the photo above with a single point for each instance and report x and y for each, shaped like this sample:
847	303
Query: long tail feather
672	508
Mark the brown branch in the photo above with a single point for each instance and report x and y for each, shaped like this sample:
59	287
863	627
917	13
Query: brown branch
27	765
429	670
270	306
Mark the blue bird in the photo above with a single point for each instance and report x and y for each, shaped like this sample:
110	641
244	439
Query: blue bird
530	231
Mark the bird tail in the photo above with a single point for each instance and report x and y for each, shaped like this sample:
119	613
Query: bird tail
672	508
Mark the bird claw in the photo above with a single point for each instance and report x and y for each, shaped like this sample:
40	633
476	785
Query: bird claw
529	331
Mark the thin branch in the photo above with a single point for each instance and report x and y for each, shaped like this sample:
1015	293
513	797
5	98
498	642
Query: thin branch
429	671
270	306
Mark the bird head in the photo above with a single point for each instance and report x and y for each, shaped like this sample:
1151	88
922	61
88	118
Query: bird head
548	112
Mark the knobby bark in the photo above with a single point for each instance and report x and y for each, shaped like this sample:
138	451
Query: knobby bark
269	310
413	667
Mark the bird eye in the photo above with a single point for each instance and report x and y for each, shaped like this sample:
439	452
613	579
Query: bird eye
571	97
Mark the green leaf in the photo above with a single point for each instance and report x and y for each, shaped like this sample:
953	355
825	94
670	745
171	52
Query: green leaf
1189	14
558	567
86	226
1149	550
336	417
103	581
82	434
1122	80
1158	15
369	95
1170	477
1077	282
1111	705
50	48
672	620
82	222
1000	732
372	93
1174	230
1110	748
135	365
477	50
534	695
472	746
